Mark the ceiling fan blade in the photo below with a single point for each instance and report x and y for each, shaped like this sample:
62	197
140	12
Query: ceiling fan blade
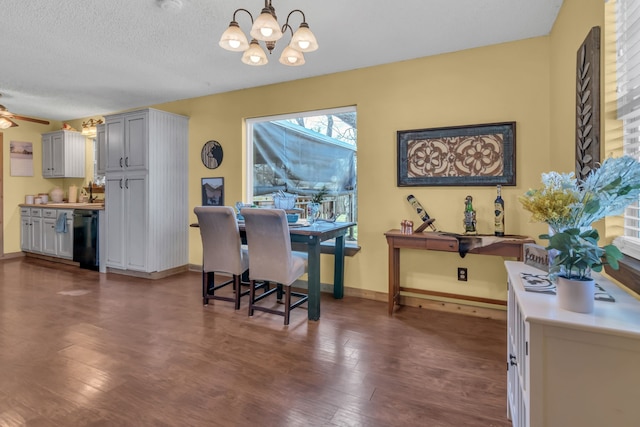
29	119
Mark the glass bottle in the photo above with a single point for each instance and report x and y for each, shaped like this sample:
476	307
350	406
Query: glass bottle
469	216
499	213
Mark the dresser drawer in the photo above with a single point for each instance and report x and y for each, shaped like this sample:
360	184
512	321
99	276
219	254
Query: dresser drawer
449	245
25	211
36	212
49	213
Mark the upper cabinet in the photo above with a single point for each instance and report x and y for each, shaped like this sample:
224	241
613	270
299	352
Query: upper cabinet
63	154
101	151
127	142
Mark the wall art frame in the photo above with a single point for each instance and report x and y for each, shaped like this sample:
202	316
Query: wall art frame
212	191
588	104
469	155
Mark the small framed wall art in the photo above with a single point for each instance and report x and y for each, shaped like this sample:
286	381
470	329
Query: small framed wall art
211	154
212	191
460	155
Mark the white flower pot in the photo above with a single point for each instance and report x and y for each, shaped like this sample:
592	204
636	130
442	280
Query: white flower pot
575	295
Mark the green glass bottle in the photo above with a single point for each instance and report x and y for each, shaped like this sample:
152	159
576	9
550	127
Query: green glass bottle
499	213
469	216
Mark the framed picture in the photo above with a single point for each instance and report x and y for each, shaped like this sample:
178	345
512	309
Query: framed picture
461	155
212	191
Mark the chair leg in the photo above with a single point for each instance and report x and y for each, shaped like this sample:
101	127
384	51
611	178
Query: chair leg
205	288
252	295
287	305
238	291
279	292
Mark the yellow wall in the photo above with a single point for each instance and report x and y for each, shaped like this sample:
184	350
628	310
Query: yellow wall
531	82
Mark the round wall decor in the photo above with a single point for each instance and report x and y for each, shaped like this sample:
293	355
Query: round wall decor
211	154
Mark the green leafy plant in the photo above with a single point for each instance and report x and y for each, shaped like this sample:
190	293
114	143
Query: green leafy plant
578	253
320	195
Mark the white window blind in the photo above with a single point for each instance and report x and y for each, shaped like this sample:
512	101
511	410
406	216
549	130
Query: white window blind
628	75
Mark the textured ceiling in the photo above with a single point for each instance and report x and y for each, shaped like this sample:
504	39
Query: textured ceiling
78	58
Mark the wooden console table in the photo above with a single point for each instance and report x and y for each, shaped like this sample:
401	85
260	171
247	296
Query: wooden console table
508	246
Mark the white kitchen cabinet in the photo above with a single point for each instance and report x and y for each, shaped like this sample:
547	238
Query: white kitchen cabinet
25	229
49	241
39	235
127	200
101	149
146	205
64	241
63	154
571	369
36	230
31	229
127	141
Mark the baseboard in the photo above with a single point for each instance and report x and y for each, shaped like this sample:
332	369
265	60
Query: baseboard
52	259
12	255
151	275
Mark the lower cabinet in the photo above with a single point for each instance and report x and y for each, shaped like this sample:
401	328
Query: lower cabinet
127	221
571	369
39	232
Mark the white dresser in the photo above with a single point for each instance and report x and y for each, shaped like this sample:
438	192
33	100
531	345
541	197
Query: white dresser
570	369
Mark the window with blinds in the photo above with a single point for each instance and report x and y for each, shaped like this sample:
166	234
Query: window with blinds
628	75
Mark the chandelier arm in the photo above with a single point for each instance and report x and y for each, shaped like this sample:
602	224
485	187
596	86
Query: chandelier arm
243	10
285	26
304	18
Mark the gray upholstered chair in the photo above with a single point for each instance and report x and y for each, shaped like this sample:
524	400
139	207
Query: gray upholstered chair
272	259
222	252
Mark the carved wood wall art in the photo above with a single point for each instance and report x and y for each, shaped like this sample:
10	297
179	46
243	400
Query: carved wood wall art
460	155
588	104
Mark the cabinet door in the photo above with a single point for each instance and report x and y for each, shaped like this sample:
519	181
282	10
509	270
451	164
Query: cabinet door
49	236
136	217
57	155
115	220
101	150
136	141
114	135
47	156
25	233
64	241
36	234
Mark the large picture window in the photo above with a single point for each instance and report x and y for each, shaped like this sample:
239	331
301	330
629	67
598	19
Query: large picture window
307	154
628	75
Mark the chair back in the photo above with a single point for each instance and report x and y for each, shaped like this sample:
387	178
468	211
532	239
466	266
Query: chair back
270	247
221	245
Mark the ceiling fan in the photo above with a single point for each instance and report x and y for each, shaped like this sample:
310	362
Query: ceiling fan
6	116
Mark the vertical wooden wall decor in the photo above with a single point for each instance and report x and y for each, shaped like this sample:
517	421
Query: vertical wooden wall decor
588	104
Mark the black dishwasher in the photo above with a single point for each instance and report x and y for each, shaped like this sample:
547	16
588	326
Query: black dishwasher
85	238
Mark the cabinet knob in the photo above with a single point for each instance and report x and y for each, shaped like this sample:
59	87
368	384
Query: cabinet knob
513	361
120	161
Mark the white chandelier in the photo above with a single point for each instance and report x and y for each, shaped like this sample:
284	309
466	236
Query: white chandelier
266	28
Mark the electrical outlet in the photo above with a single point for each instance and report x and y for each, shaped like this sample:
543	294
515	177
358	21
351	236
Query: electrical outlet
462	274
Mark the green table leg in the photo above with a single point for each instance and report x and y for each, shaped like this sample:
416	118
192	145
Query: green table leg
338	272
313	275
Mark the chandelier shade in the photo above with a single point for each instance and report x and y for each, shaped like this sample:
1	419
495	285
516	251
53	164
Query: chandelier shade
266	29
291	57
254	55
233	39
304	40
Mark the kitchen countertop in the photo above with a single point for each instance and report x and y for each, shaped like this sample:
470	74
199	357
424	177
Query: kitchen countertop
92	206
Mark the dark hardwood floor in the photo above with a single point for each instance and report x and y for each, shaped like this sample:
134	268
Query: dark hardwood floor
78	348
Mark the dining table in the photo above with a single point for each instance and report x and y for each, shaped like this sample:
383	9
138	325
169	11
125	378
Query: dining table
311	236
